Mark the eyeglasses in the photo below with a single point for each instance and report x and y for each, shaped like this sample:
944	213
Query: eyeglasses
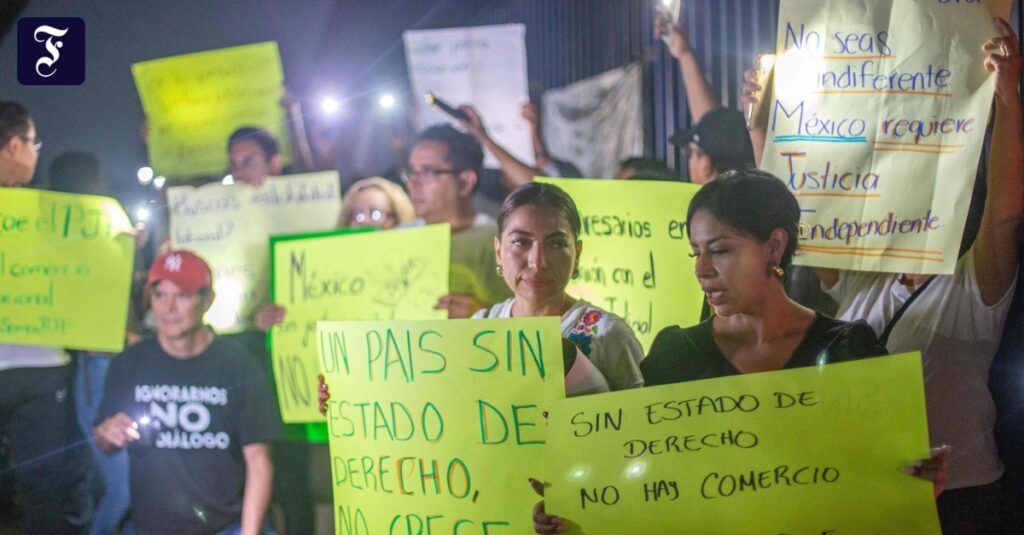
374	215
408	175
33	142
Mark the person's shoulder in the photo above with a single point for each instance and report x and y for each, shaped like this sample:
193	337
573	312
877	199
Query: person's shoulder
233	355
849	339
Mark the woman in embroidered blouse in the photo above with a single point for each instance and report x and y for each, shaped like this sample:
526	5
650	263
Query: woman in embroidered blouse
537	251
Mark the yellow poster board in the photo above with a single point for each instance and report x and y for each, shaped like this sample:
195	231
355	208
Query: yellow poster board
808	450
636	256
876	125
342	276
230	227
65	270
435	425
193	102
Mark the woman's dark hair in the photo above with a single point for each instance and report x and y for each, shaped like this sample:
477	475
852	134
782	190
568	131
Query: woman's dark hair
541	194
754	203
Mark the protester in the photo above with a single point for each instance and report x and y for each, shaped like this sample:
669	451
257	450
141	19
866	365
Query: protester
443	170
718	140
79	172
54	467
254	156
375	202
956	321
195	413
743	229
537	252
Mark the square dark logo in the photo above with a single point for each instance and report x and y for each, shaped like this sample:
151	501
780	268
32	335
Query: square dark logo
51	51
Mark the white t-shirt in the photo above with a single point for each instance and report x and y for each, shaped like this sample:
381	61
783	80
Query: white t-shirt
604	339
958	335
17	356
472	260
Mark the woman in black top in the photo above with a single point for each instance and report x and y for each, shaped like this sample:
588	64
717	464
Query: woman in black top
743	227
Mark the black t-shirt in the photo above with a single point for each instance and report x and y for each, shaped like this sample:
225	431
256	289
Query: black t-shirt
188	471
691	354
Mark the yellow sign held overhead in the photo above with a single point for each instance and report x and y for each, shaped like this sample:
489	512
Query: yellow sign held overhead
807	450
876	123
65	270
193	102
347	275
435	425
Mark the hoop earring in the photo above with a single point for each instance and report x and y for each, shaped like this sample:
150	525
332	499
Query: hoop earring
776	270
576	273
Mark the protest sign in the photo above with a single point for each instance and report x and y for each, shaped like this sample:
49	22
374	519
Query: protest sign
435	425
65	270
193	102
484	66
636	255
876	125
229	226
341	275
808	450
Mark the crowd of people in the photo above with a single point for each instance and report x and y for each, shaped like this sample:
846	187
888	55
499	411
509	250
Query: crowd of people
98	443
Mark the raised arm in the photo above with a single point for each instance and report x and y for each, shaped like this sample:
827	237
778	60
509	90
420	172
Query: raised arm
997	245
700	97
750	95
516	173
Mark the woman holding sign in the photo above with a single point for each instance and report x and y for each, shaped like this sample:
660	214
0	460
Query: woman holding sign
537	251
743	229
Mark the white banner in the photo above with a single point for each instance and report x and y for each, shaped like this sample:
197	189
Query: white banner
597	122
484	66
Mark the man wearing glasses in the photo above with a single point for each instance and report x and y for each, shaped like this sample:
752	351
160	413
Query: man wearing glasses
442	173
52	463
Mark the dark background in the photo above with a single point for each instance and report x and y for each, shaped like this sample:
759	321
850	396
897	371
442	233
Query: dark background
354	48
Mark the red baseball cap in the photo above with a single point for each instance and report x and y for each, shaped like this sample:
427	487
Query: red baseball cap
183	268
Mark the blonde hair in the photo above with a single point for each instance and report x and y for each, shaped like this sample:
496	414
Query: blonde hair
401	206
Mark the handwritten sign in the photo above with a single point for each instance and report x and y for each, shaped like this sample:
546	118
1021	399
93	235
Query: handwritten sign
484	66
391	275
809	450
636	256
435	425
195	101
876	125
65	270
229	226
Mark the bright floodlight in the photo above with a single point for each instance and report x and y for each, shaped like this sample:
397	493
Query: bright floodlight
329	105
387	101
159	182
145	175
142	214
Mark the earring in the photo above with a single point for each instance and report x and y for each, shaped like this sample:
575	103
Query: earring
497	268
576	273
776	270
